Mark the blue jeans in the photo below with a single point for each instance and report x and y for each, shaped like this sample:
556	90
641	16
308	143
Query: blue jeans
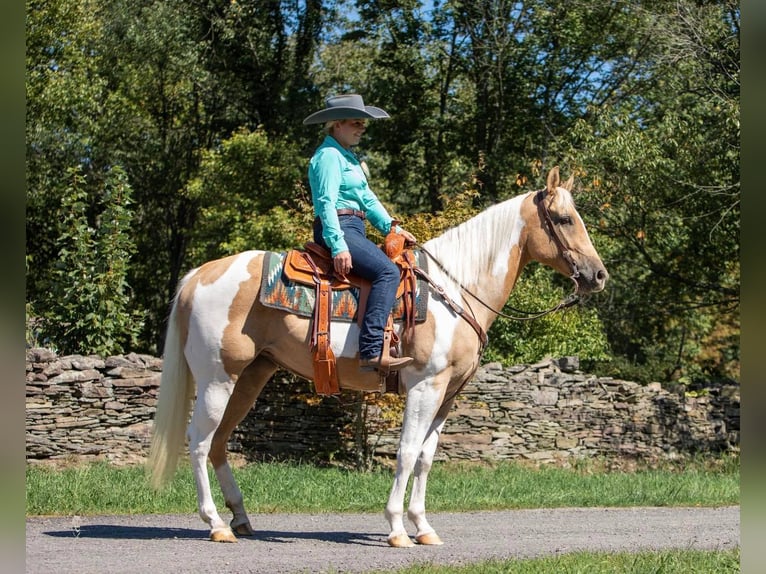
369	262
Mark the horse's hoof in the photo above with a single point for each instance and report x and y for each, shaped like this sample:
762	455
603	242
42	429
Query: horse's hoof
429	539
222	535
243	529
400	541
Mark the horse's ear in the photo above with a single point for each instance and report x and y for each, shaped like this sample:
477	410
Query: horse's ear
569	183
553	179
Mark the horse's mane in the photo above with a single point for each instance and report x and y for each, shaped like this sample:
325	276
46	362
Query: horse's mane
471	248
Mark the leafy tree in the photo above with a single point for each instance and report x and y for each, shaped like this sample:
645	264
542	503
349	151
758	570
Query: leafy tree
662	169
88	308
63	106
532	67
155	71
402	59
241	193
259	54
199	104
573	331
194	74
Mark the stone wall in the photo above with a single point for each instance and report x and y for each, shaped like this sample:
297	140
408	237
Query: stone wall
92	408
88	407
550	411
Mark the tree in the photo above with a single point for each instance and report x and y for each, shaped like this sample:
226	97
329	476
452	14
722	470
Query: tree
252	172
88	306
153	65
197	102
64	100
259	54
661	170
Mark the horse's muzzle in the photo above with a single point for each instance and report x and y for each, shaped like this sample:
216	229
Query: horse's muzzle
591	279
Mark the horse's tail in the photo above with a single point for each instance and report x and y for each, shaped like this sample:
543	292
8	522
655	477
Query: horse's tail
173	405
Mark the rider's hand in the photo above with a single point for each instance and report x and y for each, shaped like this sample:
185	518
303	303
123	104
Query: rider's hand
342	263
408	237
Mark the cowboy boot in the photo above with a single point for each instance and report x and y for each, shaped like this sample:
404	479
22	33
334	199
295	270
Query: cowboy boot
385	363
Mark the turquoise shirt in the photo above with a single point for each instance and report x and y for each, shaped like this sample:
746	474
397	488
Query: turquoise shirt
338	182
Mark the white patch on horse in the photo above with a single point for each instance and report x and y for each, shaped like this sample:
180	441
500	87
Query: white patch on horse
445	334
344	339
210	304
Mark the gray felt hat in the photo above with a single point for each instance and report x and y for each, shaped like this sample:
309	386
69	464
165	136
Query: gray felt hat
345	107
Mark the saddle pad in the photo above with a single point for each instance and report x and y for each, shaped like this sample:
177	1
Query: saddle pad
281	293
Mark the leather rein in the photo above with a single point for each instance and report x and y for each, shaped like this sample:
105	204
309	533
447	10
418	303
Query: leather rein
566	253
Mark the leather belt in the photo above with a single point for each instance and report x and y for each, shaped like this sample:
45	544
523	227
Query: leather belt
356	212
359	214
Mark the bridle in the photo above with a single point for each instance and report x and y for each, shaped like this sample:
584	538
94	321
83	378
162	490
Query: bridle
563	248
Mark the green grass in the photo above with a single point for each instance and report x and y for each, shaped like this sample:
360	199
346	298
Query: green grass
282	487
665	562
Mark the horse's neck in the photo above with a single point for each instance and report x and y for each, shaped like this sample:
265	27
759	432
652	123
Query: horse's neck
484	255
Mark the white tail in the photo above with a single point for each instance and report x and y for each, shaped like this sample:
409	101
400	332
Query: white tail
173	406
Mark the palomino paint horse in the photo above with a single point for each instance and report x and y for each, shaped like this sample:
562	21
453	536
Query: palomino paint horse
223	339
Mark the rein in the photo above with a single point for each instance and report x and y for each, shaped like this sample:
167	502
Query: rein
568	301
470	319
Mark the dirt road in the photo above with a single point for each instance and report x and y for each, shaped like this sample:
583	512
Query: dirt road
287	543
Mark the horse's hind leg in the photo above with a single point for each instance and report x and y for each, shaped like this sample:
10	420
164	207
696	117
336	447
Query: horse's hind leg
212	398
246	391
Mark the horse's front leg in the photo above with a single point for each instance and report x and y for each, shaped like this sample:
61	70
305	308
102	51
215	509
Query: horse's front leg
423	401
417	509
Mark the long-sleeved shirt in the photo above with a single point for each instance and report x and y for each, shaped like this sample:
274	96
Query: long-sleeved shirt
338	182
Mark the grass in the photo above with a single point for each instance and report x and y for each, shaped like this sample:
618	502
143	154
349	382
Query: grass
283	488
665	562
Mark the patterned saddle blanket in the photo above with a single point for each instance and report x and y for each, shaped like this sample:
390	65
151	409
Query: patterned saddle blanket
279	292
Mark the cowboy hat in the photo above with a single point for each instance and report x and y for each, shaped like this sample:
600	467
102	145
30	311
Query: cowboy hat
346	107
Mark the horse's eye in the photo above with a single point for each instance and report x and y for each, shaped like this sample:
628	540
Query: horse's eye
565	220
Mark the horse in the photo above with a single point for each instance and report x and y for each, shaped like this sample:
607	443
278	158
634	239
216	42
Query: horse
223	341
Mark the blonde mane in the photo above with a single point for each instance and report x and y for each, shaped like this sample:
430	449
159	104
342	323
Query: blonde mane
480	241
564	201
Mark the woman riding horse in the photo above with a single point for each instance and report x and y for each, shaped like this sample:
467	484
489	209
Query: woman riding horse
342	202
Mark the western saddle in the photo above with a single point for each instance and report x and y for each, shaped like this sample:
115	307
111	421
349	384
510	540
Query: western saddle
313	266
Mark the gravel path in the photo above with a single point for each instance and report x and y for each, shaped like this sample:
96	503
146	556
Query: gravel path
286	543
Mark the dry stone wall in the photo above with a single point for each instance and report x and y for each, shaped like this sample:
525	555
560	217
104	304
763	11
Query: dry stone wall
550	411
92	408
89	407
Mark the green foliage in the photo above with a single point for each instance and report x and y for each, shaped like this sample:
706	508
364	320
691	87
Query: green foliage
663	181
88	308
249	196
574	331
64	98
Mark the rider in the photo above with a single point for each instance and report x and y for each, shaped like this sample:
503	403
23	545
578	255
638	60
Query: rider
342	202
